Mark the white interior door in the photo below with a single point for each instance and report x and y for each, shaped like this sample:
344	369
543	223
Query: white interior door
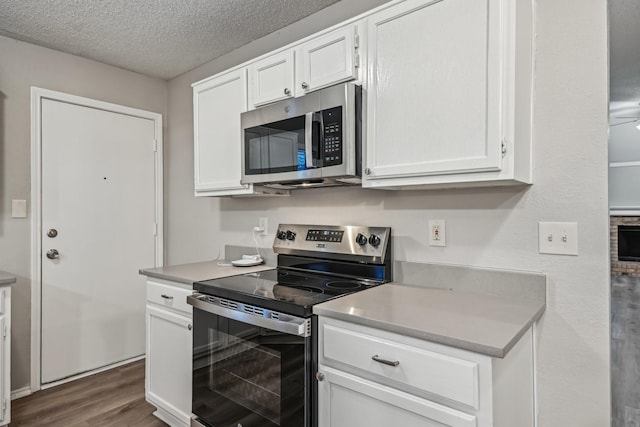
98	193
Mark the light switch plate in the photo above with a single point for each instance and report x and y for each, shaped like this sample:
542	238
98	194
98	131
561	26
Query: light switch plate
559	238
18	208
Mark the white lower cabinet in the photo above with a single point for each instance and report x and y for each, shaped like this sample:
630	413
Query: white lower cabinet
168	348
5	355
376	378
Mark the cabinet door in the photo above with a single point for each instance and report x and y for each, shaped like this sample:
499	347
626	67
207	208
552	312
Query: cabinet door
327	60
271	79
345	400
168	369
4	370
434	89
217	104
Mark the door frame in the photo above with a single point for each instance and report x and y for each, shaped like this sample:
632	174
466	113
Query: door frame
37	96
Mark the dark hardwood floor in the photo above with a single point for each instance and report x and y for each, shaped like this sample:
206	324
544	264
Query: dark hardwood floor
625	351
110	398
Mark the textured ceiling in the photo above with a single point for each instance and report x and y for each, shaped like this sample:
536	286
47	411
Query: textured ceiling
624	41
160	38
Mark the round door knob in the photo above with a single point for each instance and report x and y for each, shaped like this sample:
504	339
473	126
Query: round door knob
374	240
291	235
367	171
189	326
281	234
305	85
52	233
361	239
287	91
319	376
53	254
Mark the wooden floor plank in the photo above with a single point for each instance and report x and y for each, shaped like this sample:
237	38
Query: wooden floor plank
111	398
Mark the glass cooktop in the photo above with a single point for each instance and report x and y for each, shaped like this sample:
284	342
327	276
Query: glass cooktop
282	290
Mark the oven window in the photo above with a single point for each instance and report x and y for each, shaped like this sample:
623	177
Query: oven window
248	375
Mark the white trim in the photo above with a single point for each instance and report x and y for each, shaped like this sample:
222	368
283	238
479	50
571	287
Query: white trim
92	372
21	392
623	164
37	95
36	232
626	211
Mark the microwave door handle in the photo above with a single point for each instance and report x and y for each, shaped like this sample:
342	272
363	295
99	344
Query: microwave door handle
308	140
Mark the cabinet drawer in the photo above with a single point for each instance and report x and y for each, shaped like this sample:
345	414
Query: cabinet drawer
347	400
169	296
450	377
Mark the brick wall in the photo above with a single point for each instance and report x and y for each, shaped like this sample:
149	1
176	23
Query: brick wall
622	267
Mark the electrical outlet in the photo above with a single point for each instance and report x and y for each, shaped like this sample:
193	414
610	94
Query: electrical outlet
559	238
263	223
437	233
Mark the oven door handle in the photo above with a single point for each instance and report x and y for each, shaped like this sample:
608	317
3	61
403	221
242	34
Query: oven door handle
286	323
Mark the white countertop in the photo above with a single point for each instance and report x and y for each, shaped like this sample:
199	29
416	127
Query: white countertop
197	271
483	324
6	278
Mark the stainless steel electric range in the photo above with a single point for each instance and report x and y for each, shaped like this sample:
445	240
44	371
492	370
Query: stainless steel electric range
254	336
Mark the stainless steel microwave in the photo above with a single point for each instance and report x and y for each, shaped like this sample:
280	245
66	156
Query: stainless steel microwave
311	141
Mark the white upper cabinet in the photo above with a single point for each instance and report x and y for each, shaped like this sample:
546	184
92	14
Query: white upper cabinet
447	100
448	94
327	60
271	79
317	63
217	105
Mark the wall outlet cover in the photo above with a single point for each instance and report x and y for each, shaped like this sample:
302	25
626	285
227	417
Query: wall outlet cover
437	233
263	223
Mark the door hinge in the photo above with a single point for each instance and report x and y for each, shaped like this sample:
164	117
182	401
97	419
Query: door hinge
4	332
356	41
503	147
4	405
357	61
155	145
155	228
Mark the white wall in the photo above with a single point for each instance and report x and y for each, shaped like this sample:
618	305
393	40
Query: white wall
23	65
485	227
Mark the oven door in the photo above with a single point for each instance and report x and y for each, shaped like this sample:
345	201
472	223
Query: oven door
248	370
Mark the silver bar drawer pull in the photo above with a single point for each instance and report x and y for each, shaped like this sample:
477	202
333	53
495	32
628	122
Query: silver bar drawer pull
166	296
386	362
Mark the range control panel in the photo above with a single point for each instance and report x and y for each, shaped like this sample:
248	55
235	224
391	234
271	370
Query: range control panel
319	235
347	242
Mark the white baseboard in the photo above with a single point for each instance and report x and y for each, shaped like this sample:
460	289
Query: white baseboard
88	373
21	392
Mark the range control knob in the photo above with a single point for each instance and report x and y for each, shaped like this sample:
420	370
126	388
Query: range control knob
361	239
281	234
374	240
291	235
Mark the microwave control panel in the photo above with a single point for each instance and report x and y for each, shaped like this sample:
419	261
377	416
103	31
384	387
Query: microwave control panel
332	132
